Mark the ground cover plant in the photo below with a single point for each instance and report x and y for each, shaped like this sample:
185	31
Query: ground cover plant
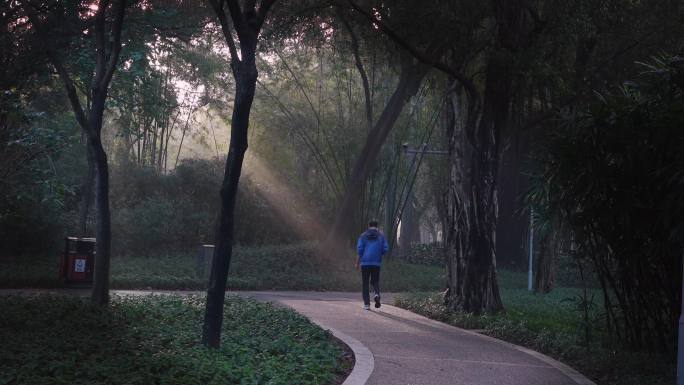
156	340
281	267
554	324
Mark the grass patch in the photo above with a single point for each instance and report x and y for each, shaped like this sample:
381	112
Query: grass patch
552	324
156	340
40	271
548	323
284	267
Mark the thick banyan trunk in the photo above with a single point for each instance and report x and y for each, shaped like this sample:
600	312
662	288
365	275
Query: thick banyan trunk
545	269
473	285
458	203
87	189
474	161
409	81
103	234
245	84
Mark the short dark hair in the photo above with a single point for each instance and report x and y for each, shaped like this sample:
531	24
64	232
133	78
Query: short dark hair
373	223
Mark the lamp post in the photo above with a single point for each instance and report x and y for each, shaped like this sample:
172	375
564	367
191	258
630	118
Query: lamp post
680	345
530	250
678	63
408	149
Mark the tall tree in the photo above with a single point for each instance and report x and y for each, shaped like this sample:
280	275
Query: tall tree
247	21
474	155
474	146
107	36
410	77
412	73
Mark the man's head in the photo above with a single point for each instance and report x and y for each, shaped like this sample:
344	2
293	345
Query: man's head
373	223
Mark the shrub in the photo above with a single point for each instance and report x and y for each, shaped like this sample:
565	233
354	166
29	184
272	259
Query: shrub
153	212
432	254
552	325
612	174
156	340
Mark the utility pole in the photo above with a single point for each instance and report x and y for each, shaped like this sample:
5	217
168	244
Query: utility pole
411	153
680	345
390	200
531	251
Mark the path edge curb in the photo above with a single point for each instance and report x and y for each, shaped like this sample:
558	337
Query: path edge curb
364	362
568	371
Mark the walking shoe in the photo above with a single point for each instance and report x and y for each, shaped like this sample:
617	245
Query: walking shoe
377	300
366	307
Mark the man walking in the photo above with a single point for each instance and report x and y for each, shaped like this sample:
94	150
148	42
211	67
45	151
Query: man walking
371	246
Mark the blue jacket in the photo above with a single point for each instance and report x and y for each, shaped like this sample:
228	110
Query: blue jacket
371	246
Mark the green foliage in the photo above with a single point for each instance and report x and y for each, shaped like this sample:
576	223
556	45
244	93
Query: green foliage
38	150
553	324
278	267
155	340
427	254
310	97
154	212
612	174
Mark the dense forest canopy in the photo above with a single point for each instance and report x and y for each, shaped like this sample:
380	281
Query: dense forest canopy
447	121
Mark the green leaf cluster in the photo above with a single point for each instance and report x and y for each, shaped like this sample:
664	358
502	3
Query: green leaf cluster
155	340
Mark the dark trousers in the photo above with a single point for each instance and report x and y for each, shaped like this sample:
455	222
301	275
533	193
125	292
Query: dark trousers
372	272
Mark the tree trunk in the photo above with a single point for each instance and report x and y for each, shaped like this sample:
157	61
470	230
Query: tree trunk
473	203
90	121
247	24
409	82
100	293
87	188
471	264
245	84
545	270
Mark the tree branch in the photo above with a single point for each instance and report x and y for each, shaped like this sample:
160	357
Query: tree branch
117	26
362	71
71	93
225	27
468	84
237	16
264	7
100	44
249	5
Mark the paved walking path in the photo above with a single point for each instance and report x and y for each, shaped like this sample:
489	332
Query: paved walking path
393	346
406	348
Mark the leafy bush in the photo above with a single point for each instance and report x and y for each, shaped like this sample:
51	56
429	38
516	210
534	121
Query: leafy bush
427	254
153	212
277	267
38	142
612	174
552	325
156	340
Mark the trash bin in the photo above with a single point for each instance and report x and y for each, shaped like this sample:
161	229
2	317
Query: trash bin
203	261
76	267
